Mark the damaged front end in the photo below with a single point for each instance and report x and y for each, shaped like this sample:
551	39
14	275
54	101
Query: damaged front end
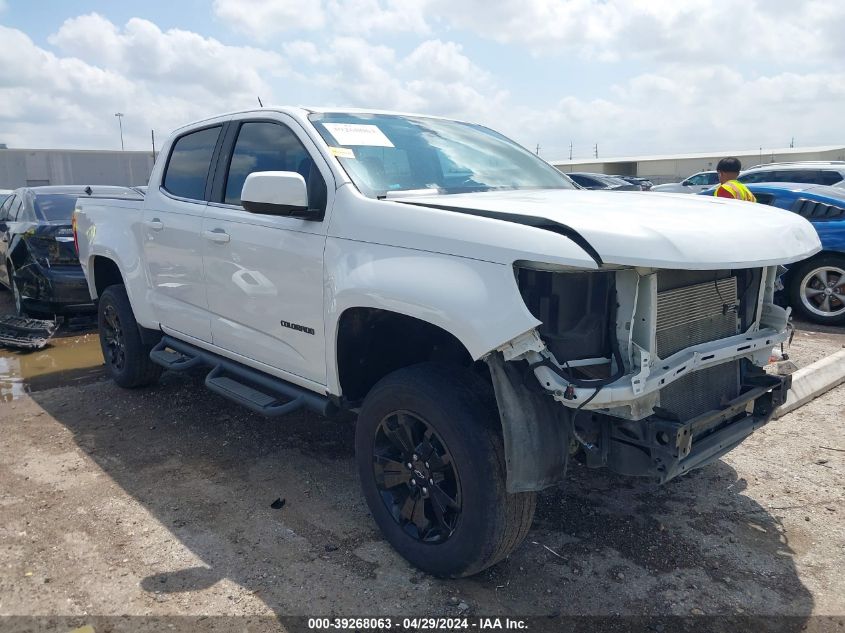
648	372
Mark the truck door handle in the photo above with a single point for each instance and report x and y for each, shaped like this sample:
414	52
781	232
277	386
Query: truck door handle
217	235
155	224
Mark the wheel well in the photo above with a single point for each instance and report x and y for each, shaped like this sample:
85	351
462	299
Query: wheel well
372	343
791	274
822	253
106	273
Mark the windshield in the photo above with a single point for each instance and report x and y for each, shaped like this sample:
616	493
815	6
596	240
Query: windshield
54	206
386	153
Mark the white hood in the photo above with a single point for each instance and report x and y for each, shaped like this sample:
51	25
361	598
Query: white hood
656	230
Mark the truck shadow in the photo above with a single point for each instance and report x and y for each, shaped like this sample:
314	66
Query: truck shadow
209	472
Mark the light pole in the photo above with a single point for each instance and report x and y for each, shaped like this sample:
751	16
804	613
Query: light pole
119	116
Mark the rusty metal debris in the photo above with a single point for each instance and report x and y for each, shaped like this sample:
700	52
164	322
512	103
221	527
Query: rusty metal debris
23	333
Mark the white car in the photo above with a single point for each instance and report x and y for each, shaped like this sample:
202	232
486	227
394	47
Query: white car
804	172
694	184
484	319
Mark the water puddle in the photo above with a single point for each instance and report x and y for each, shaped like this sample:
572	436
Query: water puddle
69	360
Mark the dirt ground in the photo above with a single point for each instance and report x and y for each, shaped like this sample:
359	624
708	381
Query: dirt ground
158	502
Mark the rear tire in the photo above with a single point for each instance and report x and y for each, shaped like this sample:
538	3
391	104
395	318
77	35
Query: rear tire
465	521
817	289
127	357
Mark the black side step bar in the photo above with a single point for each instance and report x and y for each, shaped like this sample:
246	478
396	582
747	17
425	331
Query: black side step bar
266	395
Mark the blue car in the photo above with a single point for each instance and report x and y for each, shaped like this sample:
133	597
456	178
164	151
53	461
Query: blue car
815	287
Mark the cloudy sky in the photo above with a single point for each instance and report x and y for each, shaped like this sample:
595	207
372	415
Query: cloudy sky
634	76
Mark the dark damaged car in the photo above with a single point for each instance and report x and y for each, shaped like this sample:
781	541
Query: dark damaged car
40	265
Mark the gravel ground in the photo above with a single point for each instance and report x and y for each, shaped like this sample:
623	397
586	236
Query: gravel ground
814	342
158	502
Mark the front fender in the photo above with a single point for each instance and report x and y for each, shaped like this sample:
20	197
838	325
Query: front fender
478	302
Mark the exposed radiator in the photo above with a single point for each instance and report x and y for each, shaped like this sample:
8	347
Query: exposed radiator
688	316
702	391
695	314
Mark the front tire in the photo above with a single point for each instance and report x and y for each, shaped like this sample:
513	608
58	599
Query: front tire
817	289
431	462
127	357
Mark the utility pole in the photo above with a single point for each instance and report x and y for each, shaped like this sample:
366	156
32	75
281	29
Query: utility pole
792	142
537	150
153	136
570	150
119	116
761	155
596	148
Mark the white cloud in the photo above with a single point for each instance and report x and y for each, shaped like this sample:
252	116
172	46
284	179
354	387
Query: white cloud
444	61
160	80
142	51
680	108
377	17
434	78
264	18
703	31
759	76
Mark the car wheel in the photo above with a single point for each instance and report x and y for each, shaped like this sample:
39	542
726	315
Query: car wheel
817	289
430	457
127	357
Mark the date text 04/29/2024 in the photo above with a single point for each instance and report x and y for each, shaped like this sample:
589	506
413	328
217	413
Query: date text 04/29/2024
416	624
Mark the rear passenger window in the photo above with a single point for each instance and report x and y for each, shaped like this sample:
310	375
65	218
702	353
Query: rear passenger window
190	159
758	176
830	177
266	146
806	176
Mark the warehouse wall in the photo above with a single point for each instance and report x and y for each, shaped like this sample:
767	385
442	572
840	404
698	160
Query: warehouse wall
34	167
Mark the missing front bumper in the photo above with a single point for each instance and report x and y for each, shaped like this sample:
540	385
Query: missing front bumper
663	449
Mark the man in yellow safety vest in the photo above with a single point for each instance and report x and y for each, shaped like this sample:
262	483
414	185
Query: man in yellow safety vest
729	187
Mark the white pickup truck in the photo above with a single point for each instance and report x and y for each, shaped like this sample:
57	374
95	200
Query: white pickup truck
485	319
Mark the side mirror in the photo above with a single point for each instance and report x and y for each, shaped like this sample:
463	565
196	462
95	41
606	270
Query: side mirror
275	193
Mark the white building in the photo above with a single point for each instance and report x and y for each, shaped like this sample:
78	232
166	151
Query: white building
35	167
676	167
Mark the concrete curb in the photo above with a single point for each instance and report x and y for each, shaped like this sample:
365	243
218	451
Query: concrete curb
812	381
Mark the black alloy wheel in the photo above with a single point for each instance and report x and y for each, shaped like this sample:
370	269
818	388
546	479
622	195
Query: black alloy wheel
430	454
114	347
127	356
416	477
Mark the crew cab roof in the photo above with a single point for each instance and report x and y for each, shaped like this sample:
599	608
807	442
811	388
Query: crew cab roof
304	111
87	191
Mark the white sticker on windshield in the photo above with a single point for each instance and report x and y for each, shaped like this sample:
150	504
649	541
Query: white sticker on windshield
358	134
